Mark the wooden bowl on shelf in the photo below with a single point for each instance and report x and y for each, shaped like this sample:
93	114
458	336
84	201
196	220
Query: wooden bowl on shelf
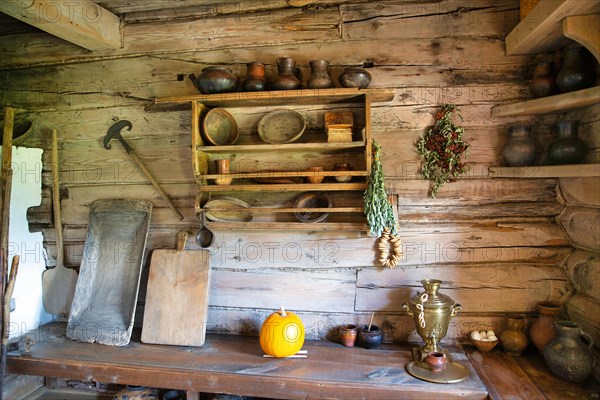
219	127
484	345
312	200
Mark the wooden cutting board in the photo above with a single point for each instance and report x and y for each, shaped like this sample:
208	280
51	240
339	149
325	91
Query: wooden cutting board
177	296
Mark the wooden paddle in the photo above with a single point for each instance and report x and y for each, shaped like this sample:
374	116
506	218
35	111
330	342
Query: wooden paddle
177	296
58	283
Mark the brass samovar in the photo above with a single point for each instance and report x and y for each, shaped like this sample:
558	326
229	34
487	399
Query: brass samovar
432	313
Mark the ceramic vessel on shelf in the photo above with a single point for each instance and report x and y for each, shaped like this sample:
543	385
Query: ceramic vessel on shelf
343	167
349	333
567	148
174	395
355	77
436	361
519	150
542	331
215	80
513	338
288	78
370	338
543	82
319	77
438	310
255	80
568	356
222	167
577	71
136	393
316	175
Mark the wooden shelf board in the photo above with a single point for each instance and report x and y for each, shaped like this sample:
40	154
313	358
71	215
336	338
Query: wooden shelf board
542	29
271	210
299	187
249	99
301	226
281	174
320	147
546	171
550	104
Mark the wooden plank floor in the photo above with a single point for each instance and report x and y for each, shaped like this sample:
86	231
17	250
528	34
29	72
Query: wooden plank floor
234	364
526	377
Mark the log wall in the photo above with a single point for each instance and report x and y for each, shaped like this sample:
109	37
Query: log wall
494	242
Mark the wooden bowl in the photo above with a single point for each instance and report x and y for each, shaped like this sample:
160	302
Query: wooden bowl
219	127
281	126
312	200
484	346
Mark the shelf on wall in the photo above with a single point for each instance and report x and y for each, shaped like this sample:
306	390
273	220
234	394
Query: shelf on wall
247	148
542	29
282	174
301	226
550	104
546	171
292	187
249	99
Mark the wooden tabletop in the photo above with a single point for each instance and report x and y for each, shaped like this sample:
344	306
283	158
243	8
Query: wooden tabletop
234	365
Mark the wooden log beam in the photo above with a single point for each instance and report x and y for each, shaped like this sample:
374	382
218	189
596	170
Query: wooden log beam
85	24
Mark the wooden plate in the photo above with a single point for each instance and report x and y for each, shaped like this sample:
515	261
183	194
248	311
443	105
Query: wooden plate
222	213
312	200
281	126
219	127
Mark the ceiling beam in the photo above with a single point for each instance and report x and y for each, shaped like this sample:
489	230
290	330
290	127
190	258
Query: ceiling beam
83	23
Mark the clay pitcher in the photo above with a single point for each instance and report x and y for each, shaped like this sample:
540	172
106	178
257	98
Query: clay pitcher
542	329
567	356
288	79
319	78
514	340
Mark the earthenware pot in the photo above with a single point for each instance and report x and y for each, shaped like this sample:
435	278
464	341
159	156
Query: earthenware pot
568	356
349	333
215	80
542	331
288	78
577	71
319	77
519	150
343	167
567	148
370	338
514	340
255	80
542	84
355	77
436	361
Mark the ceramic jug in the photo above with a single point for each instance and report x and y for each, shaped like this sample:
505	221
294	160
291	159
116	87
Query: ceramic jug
568	356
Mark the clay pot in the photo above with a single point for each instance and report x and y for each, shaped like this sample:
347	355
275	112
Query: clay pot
255	78
355	77
349	333
288	78
370	339
319	77
542	329
514	340
567	148
567	356
436	361
316	176
222	167
519	150
343	167
577	70
215	80
542	84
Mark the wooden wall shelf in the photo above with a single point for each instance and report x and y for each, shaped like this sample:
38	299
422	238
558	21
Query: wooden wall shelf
542	29
546	171
296	226
550	104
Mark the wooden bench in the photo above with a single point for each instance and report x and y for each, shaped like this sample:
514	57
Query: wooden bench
234	365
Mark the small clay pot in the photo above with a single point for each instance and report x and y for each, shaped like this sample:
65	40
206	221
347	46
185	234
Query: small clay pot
349	333
355	77
316	176
215	80
370	339
319	78
542	84
289	75
436	361
255	80
343	167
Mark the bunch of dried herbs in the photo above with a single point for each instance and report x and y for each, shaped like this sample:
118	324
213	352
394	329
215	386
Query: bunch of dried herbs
443	150
377	207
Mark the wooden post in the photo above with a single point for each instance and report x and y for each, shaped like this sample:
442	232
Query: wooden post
5	189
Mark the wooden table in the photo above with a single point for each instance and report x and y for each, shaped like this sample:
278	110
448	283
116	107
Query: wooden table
234	365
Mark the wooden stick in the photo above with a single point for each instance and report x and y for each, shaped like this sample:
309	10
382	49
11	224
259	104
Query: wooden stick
58	229
6	319
371	321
